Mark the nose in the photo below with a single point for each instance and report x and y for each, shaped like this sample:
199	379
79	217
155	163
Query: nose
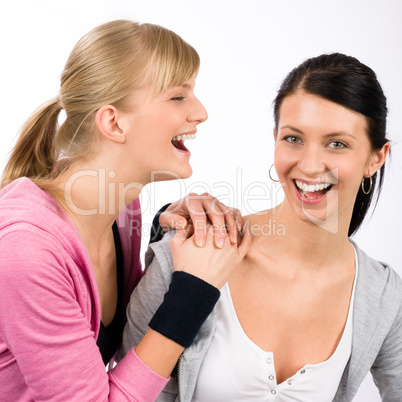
198	113
311	162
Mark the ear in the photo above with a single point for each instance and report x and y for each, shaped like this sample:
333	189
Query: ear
377	159
107	122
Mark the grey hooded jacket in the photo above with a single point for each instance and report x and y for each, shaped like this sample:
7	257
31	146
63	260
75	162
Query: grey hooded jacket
377	327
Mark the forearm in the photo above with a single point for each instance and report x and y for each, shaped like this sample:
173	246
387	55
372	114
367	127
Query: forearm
155	304
159	353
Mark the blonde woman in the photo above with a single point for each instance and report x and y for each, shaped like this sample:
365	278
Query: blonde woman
308	314
70	222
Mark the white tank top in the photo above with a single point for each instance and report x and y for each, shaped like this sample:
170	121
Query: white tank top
236	369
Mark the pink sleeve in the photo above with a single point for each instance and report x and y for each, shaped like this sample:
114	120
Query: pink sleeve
44	324
134	375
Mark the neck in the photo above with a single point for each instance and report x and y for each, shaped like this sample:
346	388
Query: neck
313	245
94	197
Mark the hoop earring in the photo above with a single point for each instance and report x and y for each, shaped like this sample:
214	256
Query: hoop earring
371	183
269	173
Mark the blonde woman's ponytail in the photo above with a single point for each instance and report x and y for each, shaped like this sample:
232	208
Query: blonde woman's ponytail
34	153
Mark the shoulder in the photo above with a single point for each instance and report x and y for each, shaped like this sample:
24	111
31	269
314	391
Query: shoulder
35	266
33	214
376	273
265	223
378	286
24	243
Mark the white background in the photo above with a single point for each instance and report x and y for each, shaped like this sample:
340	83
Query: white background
246	49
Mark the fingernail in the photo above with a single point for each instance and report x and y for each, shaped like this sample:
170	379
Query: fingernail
221	242
200	242
238	226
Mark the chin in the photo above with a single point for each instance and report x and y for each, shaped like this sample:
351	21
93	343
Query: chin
176	174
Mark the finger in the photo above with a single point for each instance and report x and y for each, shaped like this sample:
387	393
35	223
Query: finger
173	221
231	216
232	224
219	234
239	222
179	208
197	211
213	233
190	230
239	219
245	241
216	214
179	238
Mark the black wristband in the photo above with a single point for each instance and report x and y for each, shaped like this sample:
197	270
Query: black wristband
185	307
156	229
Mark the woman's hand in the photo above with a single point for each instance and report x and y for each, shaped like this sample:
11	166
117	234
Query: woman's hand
200	209
208	263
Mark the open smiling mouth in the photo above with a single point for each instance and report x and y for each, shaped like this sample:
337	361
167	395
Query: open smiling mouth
178	141
312	191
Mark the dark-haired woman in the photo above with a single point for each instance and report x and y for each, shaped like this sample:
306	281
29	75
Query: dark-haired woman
308	313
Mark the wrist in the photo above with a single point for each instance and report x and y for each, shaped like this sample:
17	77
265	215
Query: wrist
186	306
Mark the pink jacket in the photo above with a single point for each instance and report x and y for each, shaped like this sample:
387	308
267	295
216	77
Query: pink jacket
50	307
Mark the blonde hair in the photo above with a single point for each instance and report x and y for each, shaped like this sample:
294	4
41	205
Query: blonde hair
105	67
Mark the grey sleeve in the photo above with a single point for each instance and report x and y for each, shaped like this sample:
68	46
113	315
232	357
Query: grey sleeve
387	367
146	298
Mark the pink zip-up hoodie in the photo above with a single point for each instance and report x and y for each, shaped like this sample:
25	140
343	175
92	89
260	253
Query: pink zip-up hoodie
50	307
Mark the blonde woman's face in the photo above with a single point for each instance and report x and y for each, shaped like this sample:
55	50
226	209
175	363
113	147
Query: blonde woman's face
158	128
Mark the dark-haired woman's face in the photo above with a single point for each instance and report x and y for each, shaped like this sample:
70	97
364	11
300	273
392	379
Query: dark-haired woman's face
322	153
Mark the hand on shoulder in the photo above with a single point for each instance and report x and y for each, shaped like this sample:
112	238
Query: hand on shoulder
210	263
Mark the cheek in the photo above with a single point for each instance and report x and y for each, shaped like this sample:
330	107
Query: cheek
284	161
351	173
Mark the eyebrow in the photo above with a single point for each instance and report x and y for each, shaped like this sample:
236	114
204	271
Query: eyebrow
329	135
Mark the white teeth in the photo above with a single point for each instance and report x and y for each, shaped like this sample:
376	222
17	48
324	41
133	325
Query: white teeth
184	137
312	187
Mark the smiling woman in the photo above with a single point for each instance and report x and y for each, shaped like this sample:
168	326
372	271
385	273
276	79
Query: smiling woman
308	314
322	143
353	86
164	117
70	222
